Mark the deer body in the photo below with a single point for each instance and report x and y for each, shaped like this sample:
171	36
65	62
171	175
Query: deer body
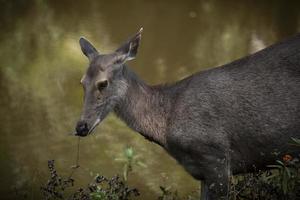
223	121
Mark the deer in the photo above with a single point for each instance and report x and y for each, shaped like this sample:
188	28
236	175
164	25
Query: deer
216	123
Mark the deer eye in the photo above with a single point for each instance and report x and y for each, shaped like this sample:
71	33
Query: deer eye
102	85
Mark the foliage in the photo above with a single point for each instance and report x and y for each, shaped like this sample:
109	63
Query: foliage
286	176
111	189
167	193
130	160
280	182
101	188
56	185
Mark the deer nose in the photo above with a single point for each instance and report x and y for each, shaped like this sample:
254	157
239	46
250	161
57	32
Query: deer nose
82	128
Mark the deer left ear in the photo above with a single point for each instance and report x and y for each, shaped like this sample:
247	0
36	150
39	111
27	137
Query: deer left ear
87	48
129	50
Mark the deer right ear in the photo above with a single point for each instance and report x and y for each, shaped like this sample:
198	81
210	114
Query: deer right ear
129	50
87	48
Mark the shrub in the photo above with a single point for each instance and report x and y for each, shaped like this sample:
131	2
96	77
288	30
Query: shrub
280	182
101	188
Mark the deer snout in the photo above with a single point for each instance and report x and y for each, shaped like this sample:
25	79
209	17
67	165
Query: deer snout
81	128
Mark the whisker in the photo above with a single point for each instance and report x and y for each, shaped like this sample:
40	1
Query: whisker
94	125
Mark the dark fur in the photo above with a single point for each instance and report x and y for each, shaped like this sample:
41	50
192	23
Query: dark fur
246	111
228	120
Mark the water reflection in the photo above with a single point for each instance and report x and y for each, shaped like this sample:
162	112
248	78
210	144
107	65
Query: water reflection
41	65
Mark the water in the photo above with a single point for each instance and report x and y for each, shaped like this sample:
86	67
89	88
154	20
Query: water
41	65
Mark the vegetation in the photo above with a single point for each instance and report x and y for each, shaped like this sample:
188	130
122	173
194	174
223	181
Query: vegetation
101	188
130	160
280	182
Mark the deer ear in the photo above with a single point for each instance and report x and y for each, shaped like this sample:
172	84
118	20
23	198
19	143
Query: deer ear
87	48
129	49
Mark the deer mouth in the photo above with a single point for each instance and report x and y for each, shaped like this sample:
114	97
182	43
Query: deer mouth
98	120
82	129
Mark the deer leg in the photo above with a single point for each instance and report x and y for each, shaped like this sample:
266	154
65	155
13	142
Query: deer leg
216	184
204	191
217	190
214	190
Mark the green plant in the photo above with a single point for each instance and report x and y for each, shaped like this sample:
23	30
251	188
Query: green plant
101	188
285	177
56	185
280	182
130	160
295	141
167	193
253	186
111	189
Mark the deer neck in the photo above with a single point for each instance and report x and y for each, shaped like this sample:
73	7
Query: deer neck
144	108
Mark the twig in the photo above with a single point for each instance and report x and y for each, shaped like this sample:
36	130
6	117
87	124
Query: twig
76	166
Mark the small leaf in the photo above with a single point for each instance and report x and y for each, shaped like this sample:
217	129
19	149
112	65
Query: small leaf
288	171
120	159
129	152
141	164
281	163
295	140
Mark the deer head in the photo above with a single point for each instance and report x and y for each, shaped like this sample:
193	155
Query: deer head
103	83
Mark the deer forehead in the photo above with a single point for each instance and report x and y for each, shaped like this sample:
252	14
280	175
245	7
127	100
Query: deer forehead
95	75
104	61
100	67
101	76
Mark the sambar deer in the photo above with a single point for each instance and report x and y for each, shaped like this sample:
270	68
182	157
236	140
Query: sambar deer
216	123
